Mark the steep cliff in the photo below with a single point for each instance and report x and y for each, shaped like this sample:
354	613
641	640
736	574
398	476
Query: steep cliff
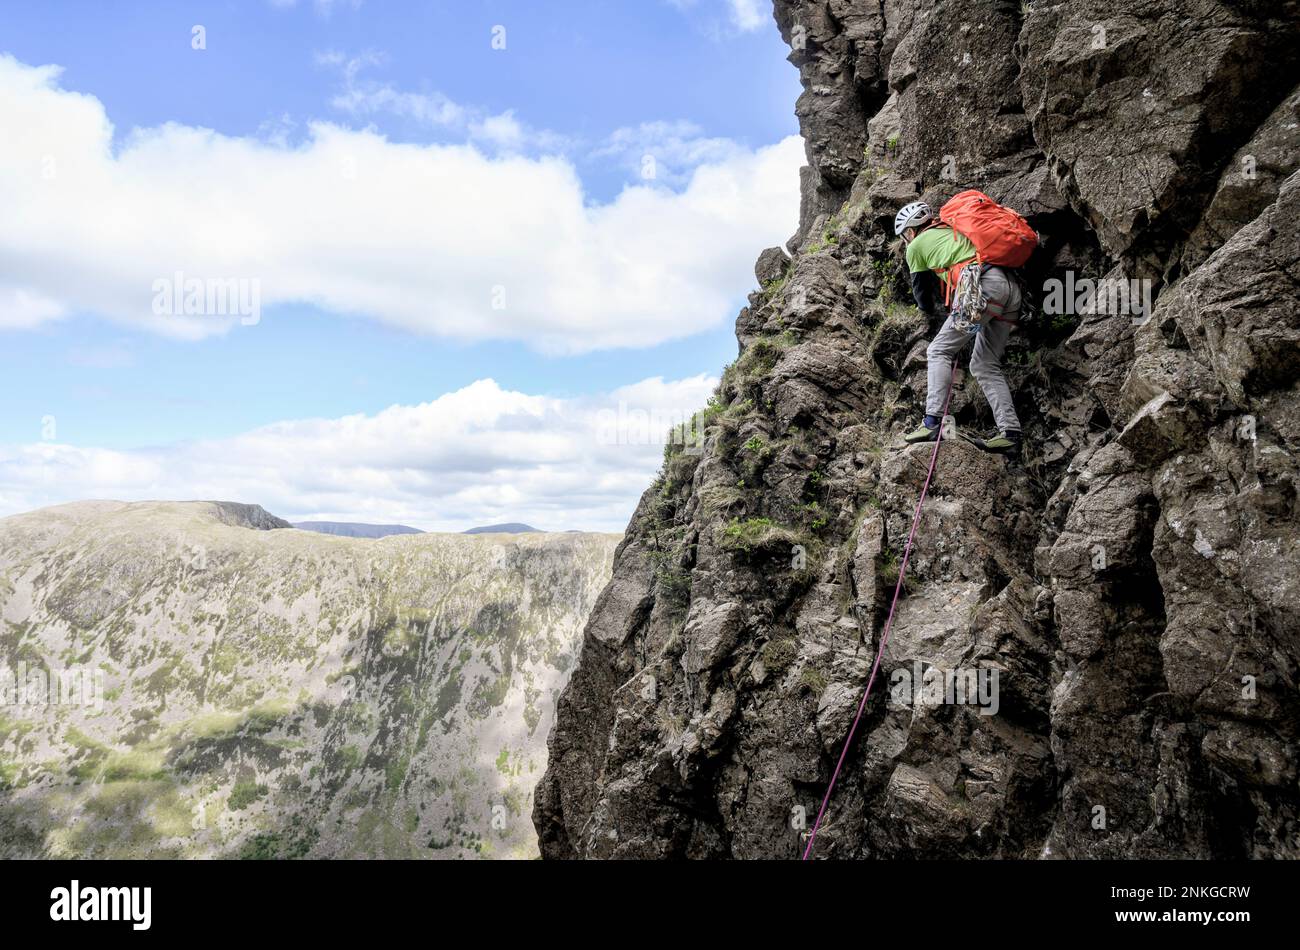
1134	579
277	693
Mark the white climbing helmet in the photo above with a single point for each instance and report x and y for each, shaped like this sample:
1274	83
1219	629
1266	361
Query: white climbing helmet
913	215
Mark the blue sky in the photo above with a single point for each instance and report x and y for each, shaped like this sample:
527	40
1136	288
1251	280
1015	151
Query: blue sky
532	155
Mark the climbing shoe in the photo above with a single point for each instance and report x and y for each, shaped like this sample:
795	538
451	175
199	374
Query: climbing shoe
1006	442
923	433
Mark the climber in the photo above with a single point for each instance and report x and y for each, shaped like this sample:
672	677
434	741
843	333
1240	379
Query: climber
986	302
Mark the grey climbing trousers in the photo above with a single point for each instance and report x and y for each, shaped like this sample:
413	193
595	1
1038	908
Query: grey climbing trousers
1003	295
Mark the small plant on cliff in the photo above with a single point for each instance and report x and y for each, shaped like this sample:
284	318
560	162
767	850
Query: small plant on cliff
673	583
760	357
890	565
748	534
818	514
774	287
691	433
884	271
669	725
813	680
827	239
777	655
752	535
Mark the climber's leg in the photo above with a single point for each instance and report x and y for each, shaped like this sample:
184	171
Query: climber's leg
940	357
991	343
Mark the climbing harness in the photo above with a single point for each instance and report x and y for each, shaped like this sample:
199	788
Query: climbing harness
944	432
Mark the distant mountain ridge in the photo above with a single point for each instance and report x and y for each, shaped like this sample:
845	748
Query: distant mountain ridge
275	694
349	529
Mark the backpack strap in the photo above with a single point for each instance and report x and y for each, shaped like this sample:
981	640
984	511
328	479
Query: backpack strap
950	276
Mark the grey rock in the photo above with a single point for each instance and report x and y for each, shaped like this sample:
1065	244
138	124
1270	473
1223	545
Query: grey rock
1133	581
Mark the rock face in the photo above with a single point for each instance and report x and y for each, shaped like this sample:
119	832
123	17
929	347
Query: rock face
246	516
1133	581
273	693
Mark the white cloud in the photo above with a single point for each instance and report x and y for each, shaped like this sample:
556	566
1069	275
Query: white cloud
368	97
480	455
749	15
436	239
22	309
365	98
675	149
743	16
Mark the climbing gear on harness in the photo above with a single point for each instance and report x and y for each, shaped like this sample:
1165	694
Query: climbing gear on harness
969	301
889	622
912	215
971	306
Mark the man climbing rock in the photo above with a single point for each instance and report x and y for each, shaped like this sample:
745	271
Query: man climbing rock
985	303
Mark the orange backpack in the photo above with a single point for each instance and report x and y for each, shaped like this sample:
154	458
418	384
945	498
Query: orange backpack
1000	235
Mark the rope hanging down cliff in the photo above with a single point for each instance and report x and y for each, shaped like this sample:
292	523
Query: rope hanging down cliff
889	622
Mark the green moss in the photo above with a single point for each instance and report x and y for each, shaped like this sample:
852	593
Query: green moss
395	772
672	581
296	842
690	434
244	794
225	659
761	356
890	565
774	287
777	655
751	535
143	763
817	515
492	693
349	757
813	679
